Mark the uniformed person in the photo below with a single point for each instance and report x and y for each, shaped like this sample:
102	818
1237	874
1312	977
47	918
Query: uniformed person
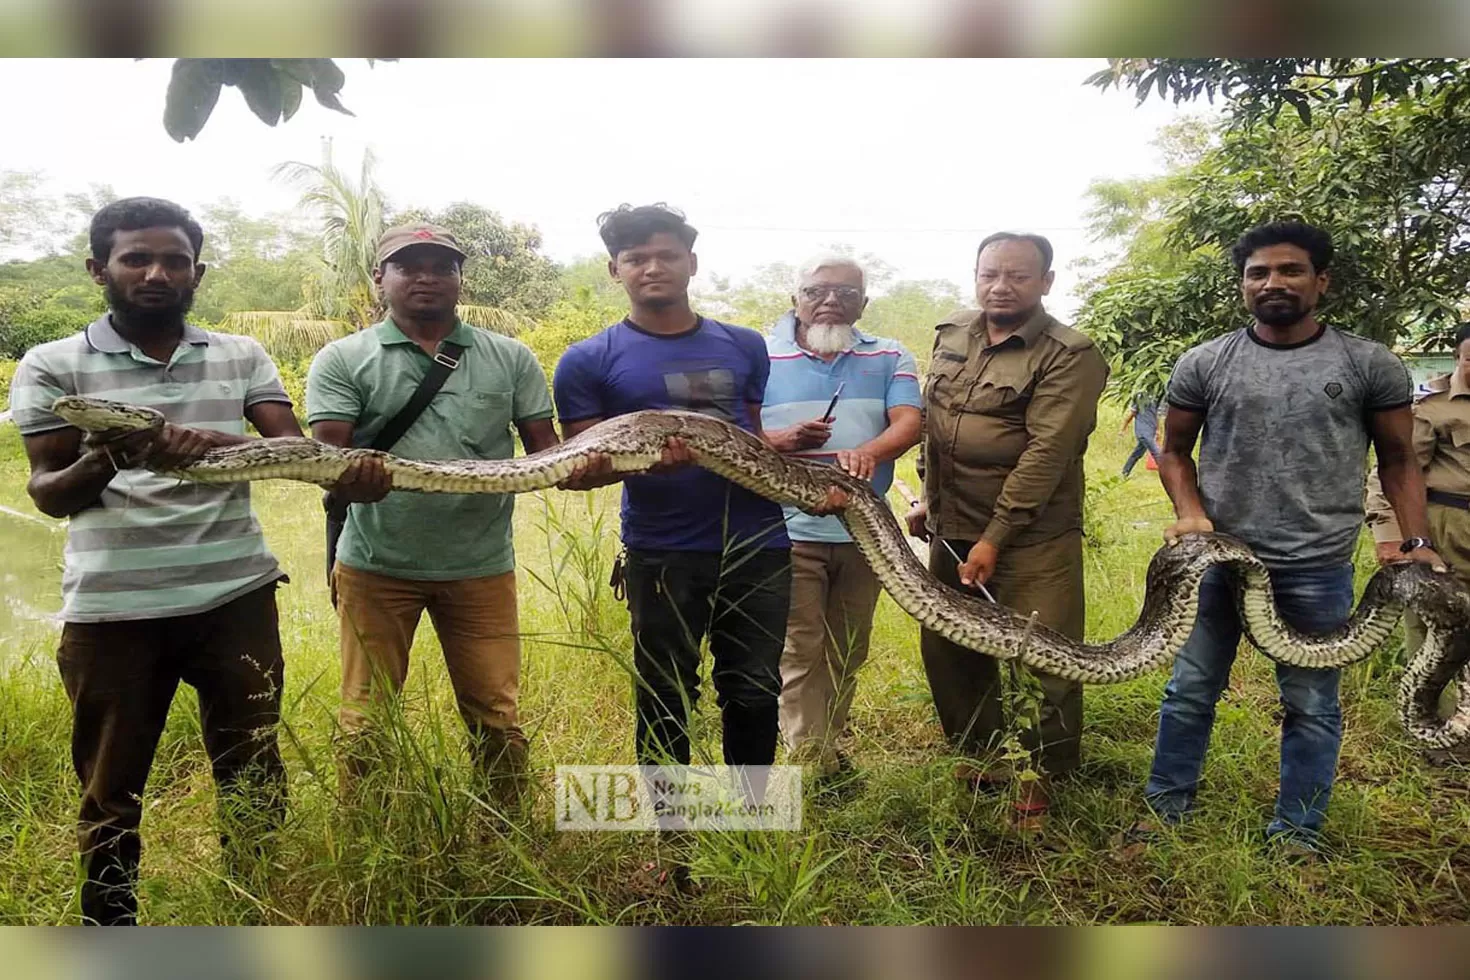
1010	401
1442	444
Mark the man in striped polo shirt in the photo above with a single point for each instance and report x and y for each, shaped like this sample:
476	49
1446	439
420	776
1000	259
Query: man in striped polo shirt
164	581
814	350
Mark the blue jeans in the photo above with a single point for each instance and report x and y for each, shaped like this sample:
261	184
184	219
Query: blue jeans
1313	600
1145	431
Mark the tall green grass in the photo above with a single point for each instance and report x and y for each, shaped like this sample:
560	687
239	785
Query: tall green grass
906	846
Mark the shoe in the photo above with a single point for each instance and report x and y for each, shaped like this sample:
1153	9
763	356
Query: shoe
1293	847
979	779
664	877
1029	811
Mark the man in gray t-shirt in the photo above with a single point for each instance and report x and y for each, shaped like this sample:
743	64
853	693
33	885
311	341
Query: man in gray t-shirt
1288	407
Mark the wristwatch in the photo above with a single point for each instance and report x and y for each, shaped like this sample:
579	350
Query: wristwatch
1413	544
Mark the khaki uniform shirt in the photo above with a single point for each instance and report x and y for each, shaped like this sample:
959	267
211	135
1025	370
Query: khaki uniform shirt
1006	427
1441	444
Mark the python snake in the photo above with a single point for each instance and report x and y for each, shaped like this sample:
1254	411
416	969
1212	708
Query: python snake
635	442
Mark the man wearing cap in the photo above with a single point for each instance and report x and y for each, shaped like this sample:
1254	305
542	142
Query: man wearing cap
401	554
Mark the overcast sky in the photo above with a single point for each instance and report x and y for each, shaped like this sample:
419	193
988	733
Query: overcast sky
913	160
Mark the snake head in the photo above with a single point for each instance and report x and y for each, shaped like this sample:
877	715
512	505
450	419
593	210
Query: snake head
97	415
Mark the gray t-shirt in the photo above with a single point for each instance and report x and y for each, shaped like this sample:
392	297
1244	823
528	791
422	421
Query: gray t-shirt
1285	443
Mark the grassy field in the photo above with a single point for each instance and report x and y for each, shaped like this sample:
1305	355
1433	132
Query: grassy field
909	847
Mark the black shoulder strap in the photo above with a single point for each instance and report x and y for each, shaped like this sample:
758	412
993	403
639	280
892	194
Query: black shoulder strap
446	359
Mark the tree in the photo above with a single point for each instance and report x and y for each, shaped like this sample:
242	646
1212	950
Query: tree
1261	87
1385	182
255	263
339	292
506	268
272	88
909	311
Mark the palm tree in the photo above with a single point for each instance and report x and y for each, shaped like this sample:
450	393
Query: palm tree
340	295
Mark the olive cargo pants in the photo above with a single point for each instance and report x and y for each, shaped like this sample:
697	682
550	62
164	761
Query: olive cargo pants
967	685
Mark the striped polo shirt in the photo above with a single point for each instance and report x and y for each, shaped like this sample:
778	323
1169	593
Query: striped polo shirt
876	374
153	547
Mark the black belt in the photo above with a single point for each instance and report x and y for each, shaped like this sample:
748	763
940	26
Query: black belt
1449	499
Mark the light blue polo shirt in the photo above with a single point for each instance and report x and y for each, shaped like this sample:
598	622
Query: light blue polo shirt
876	373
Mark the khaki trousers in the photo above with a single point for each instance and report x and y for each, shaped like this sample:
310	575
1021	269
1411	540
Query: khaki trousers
478	628
967	686
1449	529
833	595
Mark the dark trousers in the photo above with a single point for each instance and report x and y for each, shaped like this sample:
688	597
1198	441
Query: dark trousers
967	686
121	678
740	600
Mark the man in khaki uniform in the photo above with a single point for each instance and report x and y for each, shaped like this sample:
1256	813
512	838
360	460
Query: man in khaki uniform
1442	445
1010	401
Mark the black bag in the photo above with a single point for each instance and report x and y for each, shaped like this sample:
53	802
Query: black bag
446	359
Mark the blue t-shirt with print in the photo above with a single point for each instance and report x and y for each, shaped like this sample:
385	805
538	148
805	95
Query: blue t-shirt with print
716	369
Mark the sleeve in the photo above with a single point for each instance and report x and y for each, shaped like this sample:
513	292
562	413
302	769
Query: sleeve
903	385
759	356
1187	387
1389	385
265	380
1060	417
532	400
577	386
331	394
33	389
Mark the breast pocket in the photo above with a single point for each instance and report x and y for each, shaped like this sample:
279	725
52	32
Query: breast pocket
1457	431
485	422
1000	393
943	384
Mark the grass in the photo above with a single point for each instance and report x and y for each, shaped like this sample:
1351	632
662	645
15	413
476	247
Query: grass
908	848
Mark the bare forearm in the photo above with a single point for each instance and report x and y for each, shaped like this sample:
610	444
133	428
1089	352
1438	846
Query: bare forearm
1181	482
893	441
1403	485
62	493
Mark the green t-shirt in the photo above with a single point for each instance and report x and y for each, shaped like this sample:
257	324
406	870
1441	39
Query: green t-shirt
365	379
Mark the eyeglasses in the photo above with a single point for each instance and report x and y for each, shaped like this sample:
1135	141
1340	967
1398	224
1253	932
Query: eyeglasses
847	295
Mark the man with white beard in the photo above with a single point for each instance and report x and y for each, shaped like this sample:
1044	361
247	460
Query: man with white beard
817	350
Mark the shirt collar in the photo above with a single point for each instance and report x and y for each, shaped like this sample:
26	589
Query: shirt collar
389	334
102	336
1457	384
1026	332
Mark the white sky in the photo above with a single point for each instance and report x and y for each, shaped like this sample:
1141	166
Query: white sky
913	160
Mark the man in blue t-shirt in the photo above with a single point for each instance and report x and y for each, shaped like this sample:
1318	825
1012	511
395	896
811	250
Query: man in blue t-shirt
703	556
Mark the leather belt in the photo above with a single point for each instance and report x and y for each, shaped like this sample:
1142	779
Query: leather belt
1449	499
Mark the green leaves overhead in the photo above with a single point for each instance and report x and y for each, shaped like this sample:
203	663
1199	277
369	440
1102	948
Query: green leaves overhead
272	88
1257	88
1387	181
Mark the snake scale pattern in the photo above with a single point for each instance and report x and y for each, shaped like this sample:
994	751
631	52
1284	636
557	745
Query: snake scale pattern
634	442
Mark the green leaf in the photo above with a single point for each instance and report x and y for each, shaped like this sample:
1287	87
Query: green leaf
1299	100
260	83
327	81
290	96
193	91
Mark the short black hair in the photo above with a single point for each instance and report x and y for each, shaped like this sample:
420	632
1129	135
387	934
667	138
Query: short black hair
1462	334
134	213
626	226
1043	245
1316	242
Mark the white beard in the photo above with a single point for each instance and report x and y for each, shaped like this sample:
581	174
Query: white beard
829	338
